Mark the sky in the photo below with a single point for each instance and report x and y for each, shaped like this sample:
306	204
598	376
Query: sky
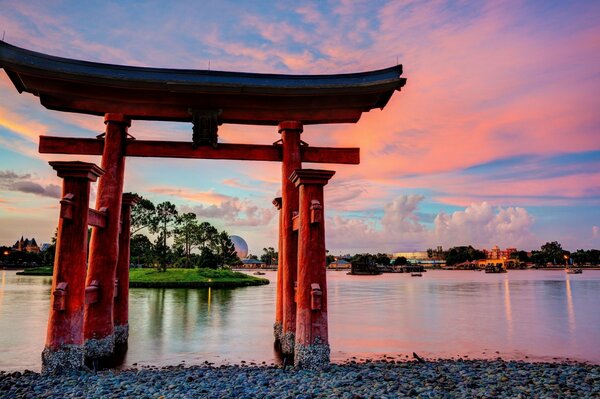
494	140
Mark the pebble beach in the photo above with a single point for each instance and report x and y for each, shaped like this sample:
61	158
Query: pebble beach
370	379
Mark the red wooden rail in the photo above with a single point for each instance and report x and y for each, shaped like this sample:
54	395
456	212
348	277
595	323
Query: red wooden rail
179	149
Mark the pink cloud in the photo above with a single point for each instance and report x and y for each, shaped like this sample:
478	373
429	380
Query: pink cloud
209	197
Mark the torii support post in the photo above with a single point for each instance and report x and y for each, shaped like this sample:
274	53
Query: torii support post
121	309
104	245
290	137
312	342
278	325
64	340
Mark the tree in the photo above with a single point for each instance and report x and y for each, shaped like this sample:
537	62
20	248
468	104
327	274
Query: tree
142	215
400	261
141	249
552	252
162	223
366	259
208	259
538	258
382	259
462	254
50	253
207	236
225	250
580	257
429	253
268	256
186	234
521	256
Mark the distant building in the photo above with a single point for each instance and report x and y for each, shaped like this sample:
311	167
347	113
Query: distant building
498	254
421	256
252	263
411	256
340	264
26	245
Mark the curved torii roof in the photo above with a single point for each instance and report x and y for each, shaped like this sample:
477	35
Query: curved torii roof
169	94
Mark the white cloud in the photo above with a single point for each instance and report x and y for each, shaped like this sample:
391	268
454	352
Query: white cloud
479	224
484	225
399	215
595	231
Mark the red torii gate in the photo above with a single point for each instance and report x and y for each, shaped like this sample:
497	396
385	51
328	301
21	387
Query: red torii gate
87	319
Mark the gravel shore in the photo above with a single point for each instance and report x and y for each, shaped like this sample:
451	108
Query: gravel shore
372	379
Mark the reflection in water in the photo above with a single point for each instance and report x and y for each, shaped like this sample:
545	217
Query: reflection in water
507	309
570	310
442	314
2	284
209	299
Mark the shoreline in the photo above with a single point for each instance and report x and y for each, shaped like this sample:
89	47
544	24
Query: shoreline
176	278
381	379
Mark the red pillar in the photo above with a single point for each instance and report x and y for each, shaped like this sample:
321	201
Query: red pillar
64	339
104	245
278	325
312	342
121	308
290	137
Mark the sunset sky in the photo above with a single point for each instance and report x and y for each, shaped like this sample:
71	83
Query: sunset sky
494	140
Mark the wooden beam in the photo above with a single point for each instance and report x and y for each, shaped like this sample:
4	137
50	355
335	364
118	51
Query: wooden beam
97	218
180	149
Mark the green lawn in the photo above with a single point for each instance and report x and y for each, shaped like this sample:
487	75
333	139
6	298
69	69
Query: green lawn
175	278
37	271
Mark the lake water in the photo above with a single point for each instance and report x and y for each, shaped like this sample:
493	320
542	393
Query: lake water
539	315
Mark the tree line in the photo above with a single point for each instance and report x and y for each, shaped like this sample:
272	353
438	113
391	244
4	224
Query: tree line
194	244
549	253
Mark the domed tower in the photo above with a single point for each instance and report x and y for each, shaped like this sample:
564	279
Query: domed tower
241	246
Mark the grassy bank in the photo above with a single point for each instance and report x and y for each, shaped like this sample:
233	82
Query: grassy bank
191	278
36	271
175	278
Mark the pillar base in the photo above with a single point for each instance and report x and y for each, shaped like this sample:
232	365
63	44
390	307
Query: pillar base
277	330
121	334
66	358
287	339
313	357
100	348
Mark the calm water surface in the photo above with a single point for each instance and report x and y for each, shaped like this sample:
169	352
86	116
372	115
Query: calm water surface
536	314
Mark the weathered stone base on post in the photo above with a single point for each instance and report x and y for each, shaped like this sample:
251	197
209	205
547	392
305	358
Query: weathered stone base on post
277	330
287	340
100	348
314	356
121	334
62	359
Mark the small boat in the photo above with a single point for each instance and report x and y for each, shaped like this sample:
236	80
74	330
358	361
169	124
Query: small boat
417	274
497	268
574	270
259	273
